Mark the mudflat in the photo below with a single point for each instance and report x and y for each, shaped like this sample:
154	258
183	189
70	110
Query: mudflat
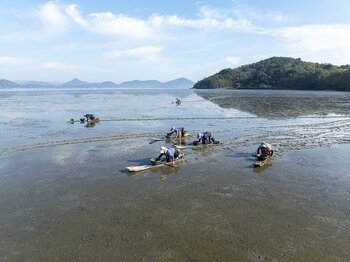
65	194
215	206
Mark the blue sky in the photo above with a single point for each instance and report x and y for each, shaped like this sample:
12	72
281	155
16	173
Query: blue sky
163	39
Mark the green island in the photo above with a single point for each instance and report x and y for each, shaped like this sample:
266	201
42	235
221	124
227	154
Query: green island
280	73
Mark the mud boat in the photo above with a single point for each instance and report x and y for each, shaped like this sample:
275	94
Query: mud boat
262	159
95	120
143	167
198	145
166	138
154	164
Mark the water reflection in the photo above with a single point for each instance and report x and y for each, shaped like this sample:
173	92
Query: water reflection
90	124
280	104
262	168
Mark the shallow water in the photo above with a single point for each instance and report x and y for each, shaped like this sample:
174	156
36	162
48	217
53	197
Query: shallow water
36	119
65	195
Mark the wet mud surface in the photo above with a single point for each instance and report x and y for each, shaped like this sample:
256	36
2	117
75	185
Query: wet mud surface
65	194
76	204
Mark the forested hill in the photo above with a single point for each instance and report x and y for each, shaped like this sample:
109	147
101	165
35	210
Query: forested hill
281	73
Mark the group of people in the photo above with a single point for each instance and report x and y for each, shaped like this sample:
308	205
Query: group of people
171	154
180	132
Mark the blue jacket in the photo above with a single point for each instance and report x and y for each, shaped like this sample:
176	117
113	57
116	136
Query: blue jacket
170	152
205	138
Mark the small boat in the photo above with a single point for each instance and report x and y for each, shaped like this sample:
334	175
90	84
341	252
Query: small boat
262	159
154	165
198	145
165	138
143	167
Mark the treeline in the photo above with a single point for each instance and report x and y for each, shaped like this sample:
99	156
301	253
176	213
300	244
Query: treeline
281	73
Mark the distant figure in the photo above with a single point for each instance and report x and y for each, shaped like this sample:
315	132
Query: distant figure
178	102
264	149
179	132
205	138
89	117
170	155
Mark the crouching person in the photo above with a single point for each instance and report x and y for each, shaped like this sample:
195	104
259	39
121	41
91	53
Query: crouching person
264	150
170	154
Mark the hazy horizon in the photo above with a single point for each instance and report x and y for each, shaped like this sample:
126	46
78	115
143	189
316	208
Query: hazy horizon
65	81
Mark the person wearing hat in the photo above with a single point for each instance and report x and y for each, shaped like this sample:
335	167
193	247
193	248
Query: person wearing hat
89	117
264	149
179	132
205	138
170	154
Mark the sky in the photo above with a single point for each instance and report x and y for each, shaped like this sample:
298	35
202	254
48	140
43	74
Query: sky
164	39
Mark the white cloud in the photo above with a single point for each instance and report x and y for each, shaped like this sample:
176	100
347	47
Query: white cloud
207	19
246	12
74	13
10	60
323	43
232	60
276	17
54	65
315	38
142	52
208	12
57	19
57	65
119	25
52	17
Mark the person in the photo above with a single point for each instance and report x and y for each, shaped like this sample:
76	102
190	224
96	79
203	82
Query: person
178	102
179	132
170	155
264	149
205	138
89	117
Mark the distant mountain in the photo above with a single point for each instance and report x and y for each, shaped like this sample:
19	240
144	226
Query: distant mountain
106	84
141	84
281	73
77	83
177	83
37	84
8	84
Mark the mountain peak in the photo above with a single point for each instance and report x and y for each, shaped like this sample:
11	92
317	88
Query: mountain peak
76	80
76	83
